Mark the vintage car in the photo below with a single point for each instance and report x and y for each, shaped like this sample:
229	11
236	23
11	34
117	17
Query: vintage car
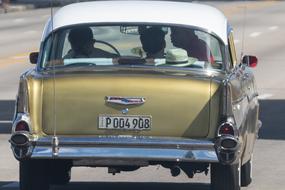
124	85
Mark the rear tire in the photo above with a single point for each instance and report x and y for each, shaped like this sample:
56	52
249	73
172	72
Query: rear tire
60	172
225	177
246	173
34	175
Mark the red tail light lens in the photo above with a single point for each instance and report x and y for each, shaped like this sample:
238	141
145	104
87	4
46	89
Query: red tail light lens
226	129
250	60
22	126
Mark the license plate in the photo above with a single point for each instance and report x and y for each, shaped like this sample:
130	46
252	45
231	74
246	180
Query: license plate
125	122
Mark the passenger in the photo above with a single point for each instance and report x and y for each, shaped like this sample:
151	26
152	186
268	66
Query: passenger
187	39
82	45
153	42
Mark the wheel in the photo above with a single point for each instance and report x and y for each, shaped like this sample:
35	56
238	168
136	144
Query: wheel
225	177
60	172
110	45
33	175
246	173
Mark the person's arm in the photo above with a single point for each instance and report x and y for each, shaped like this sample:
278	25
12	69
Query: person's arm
101	53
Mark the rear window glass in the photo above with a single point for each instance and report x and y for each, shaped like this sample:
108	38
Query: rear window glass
129	45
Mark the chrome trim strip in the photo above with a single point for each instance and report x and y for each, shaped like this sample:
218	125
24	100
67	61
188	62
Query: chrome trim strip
239	100
129	141
252	97
148	154
128	148
125	100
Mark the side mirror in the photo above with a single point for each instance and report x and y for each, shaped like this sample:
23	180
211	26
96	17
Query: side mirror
250	61
34	57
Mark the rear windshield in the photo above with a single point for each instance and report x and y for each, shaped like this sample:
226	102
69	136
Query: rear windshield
133	45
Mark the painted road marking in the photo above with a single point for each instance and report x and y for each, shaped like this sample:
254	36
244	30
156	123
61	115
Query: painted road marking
246	6
20	57
9	61
264	96
19	20
31	32
236	41
11	185
5	122
255	34
16	59
272	28
45	16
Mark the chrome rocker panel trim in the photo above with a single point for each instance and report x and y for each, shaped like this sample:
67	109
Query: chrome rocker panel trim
128	148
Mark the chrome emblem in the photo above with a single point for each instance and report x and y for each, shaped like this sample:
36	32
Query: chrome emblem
125	111
125	100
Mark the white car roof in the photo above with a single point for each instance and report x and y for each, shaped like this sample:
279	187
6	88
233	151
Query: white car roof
166	12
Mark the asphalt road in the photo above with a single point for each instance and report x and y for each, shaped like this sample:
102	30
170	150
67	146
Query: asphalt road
263	26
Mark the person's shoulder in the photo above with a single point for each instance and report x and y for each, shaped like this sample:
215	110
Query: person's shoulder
202	43
70	54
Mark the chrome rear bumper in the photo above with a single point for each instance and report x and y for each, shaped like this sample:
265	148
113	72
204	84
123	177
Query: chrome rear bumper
125	148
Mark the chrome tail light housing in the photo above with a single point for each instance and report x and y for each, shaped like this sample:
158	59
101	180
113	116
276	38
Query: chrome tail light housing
20	140
227	144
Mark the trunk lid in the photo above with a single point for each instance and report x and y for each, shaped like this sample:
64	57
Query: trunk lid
178	105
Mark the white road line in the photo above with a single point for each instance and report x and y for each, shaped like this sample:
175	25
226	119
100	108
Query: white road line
11	185
45	16
236	41
264	96
31	32
20	57
5	121
19	20
272	28
255	34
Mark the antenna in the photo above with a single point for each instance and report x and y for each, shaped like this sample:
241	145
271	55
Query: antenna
243	30
55	141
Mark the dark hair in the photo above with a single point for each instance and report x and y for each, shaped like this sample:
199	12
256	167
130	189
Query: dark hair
79	36
152	40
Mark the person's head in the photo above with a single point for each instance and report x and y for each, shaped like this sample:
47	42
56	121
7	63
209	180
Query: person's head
81	39
153	41
182	37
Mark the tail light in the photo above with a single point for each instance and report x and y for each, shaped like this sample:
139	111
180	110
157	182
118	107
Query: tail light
250	60
226	129
22	126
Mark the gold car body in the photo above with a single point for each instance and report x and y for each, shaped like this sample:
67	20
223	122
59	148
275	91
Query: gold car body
79	100
187	107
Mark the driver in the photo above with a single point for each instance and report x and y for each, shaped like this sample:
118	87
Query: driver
82	45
